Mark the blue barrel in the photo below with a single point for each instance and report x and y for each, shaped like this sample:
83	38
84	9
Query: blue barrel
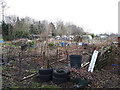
83	44
75	61
62	44
64	38
1	41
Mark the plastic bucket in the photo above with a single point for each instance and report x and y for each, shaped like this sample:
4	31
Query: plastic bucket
75	61
62	44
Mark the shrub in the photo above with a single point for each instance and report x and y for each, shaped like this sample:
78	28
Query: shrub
51	44
18	34
57	44
31	42
92	35
25	34
22	34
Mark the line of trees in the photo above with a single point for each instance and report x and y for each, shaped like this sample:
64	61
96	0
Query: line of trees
14	27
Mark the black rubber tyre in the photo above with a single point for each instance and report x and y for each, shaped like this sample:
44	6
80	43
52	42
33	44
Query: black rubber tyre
45	77
63	74
46	71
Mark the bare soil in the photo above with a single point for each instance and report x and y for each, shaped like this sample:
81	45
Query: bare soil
107	77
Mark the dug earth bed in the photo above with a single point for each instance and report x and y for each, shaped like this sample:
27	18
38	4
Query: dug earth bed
104	78
107	77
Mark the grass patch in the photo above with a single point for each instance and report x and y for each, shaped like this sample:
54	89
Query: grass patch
9	74
35	85
33	71
55	87
25	83
5	68
50	86
14	87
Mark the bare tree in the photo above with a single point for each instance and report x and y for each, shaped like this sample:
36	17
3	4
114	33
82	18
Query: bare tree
51	29
60	27
3	8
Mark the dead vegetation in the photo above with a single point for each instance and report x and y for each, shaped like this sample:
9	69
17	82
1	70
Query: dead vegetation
21	68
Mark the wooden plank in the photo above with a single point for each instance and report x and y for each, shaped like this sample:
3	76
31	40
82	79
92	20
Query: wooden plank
93	60
29	76
83	65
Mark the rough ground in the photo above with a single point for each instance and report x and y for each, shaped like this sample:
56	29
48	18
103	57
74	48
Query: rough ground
107	77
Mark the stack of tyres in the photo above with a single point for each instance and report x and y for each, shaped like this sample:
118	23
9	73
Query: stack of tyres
45	74
75	61
60	75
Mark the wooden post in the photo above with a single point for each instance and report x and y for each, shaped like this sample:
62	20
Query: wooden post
57	54
42	47
43	59
20	63
67	54
47	60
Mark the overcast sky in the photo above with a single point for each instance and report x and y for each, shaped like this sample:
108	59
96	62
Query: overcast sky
97	16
